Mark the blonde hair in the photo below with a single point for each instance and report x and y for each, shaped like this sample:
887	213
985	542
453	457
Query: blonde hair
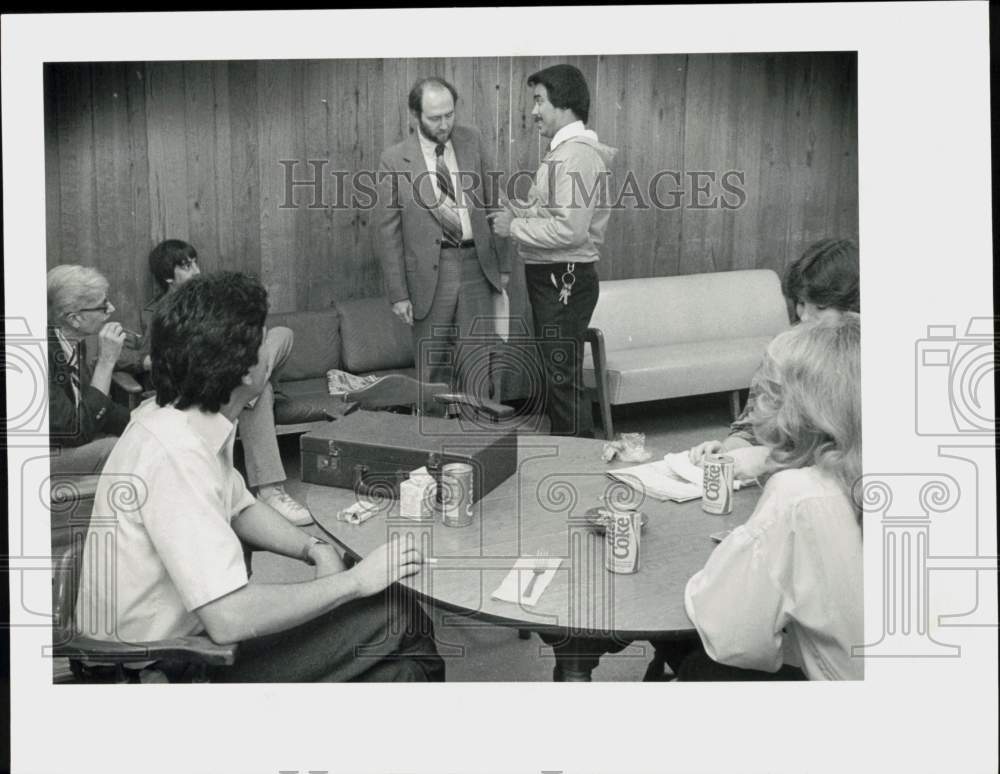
808	398
71	288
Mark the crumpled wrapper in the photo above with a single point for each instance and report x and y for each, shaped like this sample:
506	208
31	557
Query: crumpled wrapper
628	447
358	513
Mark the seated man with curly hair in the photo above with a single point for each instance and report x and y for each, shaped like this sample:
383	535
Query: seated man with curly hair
178	561
172	263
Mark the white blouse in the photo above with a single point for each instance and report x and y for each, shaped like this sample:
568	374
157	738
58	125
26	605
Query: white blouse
786	587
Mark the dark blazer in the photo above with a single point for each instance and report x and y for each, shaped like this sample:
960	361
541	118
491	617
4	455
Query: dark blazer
406	236
72	425
130	360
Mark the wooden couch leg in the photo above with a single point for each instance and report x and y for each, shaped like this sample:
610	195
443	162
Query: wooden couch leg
734	404
595	338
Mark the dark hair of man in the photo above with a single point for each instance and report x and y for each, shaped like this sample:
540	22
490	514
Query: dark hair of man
167	255
566	88
205	337
828	275
415	100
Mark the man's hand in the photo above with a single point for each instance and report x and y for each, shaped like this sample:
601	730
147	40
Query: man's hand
327	559
501	222
147	363
404	311
109	343
504	279
385	565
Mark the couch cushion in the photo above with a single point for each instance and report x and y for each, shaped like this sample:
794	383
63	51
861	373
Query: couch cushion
676	370
372	337
317	343
648	312
305	388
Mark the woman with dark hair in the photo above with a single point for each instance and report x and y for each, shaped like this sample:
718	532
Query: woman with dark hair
822	284
781	596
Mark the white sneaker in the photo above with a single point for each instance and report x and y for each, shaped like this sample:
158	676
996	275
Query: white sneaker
285	504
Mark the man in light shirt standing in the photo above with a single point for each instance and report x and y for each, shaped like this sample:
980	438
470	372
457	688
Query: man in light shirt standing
559	231
440	264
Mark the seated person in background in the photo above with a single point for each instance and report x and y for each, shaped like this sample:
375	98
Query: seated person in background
83	420
177	553
823	284
172	263
781	596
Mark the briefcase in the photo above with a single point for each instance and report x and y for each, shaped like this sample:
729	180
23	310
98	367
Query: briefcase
373	452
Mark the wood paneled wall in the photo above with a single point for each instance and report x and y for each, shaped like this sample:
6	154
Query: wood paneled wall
139	152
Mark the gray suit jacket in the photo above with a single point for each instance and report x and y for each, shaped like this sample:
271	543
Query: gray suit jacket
406	235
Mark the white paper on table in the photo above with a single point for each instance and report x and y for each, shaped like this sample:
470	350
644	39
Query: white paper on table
517	580
680	463
657	480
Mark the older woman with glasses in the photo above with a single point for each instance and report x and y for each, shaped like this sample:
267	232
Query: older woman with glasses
83	420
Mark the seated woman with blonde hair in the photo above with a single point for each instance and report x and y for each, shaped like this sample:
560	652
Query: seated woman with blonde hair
781	596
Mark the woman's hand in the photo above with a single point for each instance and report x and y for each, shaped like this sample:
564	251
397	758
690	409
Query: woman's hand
697	453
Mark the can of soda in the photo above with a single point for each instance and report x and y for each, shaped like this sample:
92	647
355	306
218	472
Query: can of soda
457	479
717	496
621	542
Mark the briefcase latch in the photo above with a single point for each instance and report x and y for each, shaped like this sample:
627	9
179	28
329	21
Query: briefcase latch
332	459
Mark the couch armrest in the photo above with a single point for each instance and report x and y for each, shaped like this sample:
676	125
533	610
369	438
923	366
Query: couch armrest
595	337
125	389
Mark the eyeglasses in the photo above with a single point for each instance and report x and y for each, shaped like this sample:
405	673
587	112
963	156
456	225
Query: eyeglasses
106	308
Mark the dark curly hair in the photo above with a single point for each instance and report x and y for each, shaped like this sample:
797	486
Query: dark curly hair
205	337
827	274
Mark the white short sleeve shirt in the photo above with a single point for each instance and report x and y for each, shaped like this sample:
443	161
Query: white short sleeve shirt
160	544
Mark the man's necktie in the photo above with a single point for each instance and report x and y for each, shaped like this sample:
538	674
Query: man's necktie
451	222
74	372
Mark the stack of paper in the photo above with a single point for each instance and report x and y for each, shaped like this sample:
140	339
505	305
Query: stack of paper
657	480
682	467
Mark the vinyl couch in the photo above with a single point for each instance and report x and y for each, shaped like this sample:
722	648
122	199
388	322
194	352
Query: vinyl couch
668	337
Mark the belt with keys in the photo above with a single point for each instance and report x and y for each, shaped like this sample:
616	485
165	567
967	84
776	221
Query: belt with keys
568	279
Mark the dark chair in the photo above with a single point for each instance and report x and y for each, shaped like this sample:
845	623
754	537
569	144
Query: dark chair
92	659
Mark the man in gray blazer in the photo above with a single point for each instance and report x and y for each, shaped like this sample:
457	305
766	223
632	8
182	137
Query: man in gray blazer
440	263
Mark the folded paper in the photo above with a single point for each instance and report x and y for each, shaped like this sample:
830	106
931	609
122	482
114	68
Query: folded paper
516	583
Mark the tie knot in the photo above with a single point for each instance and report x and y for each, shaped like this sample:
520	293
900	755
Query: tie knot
439	149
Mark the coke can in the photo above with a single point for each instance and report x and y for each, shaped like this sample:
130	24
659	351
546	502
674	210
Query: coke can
717	496
621	542
456	494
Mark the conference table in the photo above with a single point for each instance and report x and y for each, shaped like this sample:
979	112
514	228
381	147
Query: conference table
586	610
